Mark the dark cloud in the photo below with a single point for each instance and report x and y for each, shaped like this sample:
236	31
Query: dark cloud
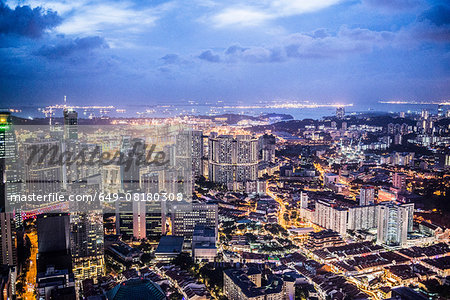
170	59
433	25
426	32
69	47
438	15
208	55
234	49
320	33
26	21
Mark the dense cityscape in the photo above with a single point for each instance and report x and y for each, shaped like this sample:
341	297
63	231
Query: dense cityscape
224	150
242	207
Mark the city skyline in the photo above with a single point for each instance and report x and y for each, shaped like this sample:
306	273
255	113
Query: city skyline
326	51
225	150
349	206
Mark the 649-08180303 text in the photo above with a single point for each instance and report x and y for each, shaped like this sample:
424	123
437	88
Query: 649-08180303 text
102	197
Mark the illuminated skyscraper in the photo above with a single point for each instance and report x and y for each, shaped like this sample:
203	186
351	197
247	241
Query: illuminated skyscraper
189	151
155	211
8	240
392	227
5	126
233	159
87	246
54	261
8	251
124	218
70	124
10	165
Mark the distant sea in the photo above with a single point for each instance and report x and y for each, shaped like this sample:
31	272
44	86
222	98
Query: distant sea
171	110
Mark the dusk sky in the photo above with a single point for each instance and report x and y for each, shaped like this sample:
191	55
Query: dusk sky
127	52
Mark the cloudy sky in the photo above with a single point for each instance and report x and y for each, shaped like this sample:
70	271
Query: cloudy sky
118	52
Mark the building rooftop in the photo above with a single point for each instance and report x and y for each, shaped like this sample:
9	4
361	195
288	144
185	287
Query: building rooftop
240	278
406	293
138	289
170	244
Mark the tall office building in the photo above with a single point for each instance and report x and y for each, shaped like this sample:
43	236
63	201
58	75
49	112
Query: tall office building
5	125
69	144
366	195
233	159
87	245
392	229
8	240
10	165
146	219
54	261
70	124
139	218
124	218
8	255
155	211
185	216
53	233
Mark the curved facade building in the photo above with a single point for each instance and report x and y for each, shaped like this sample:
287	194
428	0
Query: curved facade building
137	289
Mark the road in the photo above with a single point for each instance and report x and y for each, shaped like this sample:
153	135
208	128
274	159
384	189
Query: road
282	210
32	271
